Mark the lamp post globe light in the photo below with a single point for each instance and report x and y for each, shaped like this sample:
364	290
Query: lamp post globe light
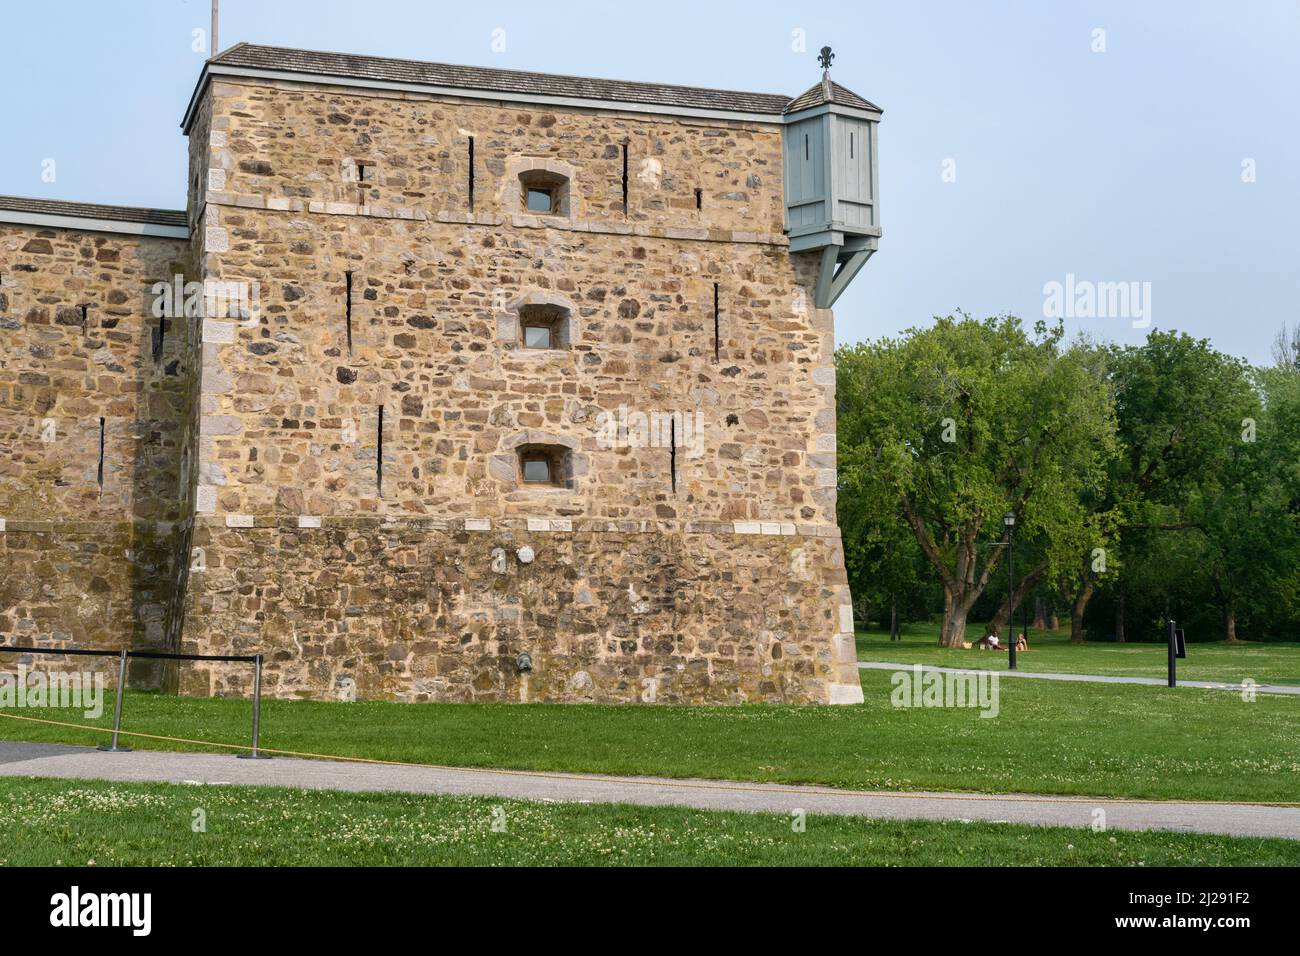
1009	519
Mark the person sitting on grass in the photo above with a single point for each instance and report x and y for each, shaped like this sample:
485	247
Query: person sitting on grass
990	641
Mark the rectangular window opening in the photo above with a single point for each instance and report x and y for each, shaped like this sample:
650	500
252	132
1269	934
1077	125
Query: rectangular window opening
379	454
543	327
537	470
85	319
159	331
544	465
850	145
347	309
625	178
805	147
541	199
537	336
717	325
672	451
100	474
699	198
471	172
365	174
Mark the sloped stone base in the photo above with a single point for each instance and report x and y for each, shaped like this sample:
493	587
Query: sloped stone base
426	610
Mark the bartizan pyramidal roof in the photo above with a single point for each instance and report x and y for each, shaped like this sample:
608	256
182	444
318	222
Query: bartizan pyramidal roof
828	91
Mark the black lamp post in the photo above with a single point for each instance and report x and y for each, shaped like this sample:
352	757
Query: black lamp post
1009	519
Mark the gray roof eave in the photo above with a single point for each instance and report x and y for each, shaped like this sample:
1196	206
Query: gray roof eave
211	69
90	224
837	108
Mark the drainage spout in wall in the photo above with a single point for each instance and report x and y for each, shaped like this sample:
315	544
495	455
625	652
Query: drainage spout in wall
524	662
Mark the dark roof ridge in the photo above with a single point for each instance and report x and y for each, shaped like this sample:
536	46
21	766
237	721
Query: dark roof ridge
85	210
774	97
498	80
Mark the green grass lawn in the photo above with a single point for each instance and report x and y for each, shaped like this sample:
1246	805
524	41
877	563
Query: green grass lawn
79	823
1053	652
1049	737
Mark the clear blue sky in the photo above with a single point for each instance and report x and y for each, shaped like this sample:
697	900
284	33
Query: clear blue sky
1117	166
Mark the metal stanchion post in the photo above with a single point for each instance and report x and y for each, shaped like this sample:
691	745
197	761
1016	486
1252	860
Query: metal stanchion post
114	747
257	713
1173	654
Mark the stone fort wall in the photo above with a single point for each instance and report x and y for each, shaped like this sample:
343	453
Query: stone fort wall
91	511
332	478
360	508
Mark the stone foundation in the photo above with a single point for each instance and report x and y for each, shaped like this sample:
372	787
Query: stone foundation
426	610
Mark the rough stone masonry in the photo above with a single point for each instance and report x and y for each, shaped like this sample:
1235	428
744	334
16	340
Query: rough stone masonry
444	455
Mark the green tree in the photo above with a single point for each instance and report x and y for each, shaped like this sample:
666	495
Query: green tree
1246	506
888	575
949	428
1179	405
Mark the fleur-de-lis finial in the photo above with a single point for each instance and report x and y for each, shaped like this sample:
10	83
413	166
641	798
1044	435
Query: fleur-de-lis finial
825	57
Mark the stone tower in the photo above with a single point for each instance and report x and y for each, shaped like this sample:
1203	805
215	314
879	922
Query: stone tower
511	388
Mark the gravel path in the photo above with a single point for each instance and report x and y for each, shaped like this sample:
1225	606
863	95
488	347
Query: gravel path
1234	819
1086	678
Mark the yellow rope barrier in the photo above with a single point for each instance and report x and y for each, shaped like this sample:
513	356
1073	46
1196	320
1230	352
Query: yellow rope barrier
605	778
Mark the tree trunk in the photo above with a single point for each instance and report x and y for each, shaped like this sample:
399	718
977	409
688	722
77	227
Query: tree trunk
1040	614
893	620
1087	584
1229	611
963	582
1080	605
1230	625
955	610
1119	616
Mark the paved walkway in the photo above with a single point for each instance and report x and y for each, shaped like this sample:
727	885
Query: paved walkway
55	760
1086	678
